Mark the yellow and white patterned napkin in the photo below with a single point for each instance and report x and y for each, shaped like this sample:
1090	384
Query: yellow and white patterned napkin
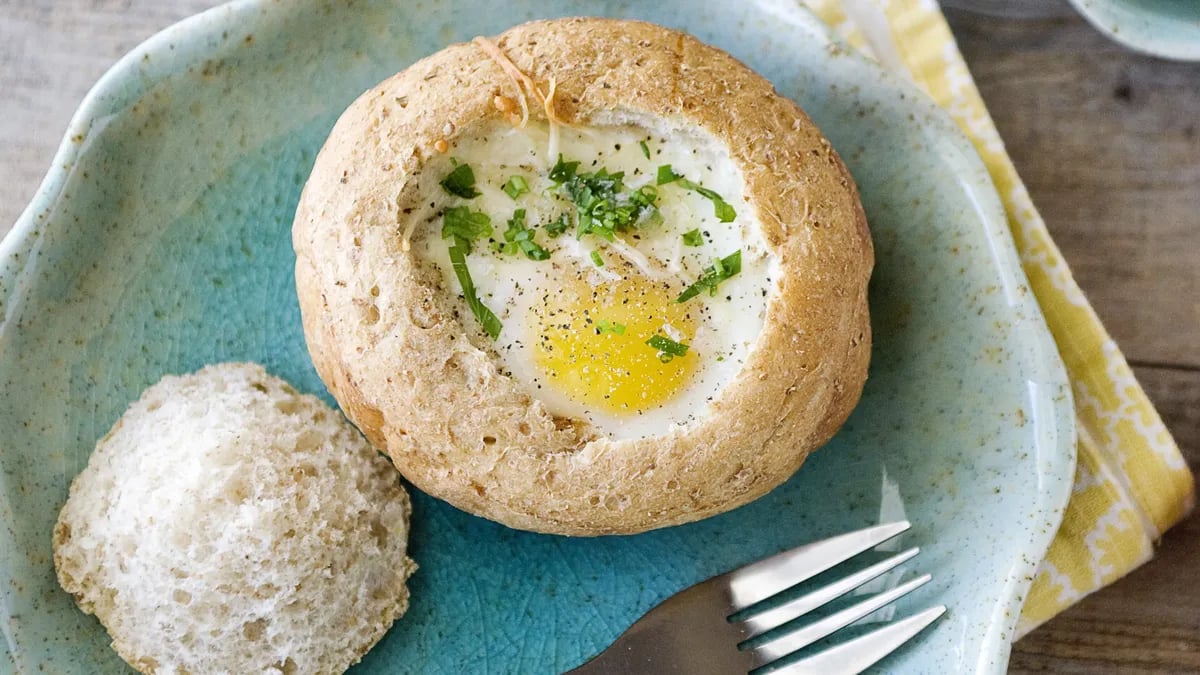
1131	483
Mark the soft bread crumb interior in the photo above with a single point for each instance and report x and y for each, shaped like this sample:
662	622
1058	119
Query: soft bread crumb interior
228	523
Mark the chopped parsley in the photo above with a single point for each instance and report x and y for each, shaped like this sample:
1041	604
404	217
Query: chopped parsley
667	175
518	237
487	319
563	171
645	149
603	204
667	348
604	326
464	226
516	186
461	182
721	209
693	238
597	260
720	270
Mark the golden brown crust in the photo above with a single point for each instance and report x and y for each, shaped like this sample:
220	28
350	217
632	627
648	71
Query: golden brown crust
425	389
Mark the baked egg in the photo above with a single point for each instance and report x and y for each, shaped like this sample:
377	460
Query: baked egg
618	269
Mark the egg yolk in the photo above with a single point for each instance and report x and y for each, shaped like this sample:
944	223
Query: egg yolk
593	343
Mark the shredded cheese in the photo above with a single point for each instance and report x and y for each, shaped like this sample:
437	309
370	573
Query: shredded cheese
636	258
548	106
524	83
675	263
527	87
406	236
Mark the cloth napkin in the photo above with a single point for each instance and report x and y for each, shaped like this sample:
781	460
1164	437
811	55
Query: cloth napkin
1131	483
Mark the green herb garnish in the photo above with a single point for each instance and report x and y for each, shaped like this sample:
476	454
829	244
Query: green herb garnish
667	348
721	209
516	186
603	205
597	260
518	237
645	149
563	171
464	226
693	238
720	270
667	175
603	326
461	182
558	225
487	319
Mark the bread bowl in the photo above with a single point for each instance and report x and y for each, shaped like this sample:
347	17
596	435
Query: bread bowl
229	524
418	360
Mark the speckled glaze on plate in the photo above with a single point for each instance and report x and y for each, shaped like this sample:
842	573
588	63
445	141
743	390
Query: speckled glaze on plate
159	242
1166	28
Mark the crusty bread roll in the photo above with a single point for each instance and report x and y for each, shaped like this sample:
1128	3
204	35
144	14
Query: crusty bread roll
228	524
410	365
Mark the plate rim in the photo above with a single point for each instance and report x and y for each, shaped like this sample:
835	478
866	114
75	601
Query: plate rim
1135	29
1054	446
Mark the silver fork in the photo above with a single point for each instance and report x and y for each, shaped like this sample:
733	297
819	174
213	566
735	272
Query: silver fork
695	631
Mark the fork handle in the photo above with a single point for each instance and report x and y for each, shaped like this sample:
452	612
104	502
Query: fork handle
617	659
608	662
640	651
593	667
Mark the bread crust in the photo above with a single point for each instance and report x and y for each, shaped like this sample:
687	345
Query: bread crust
423	386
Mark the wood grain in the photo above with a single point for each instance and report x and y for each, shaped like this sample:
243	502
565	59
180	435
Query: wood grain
1107	141
51	53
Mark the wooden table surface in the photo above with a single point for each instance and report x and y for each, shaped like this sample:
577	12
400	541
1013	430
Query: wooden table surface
1108	142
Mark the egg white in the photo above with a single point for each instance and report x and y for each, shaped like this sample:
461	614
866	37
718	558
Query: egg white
728	323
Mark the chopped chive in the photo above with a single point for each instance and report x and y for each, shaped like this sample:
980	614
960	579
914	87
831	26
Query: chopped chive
603	326
720	270
518	237
667	348
558	225
597	260
603	204
693	238
516	186
645	149
721	208
461	182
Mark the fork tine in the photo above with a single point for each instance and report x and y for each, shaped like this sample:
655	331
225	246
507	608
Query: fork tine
806	635
773	618
760	580
854	656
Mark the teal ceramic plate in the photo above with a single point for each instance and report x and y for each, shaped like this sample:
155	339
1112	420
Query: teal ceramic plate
1166	28
159	242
